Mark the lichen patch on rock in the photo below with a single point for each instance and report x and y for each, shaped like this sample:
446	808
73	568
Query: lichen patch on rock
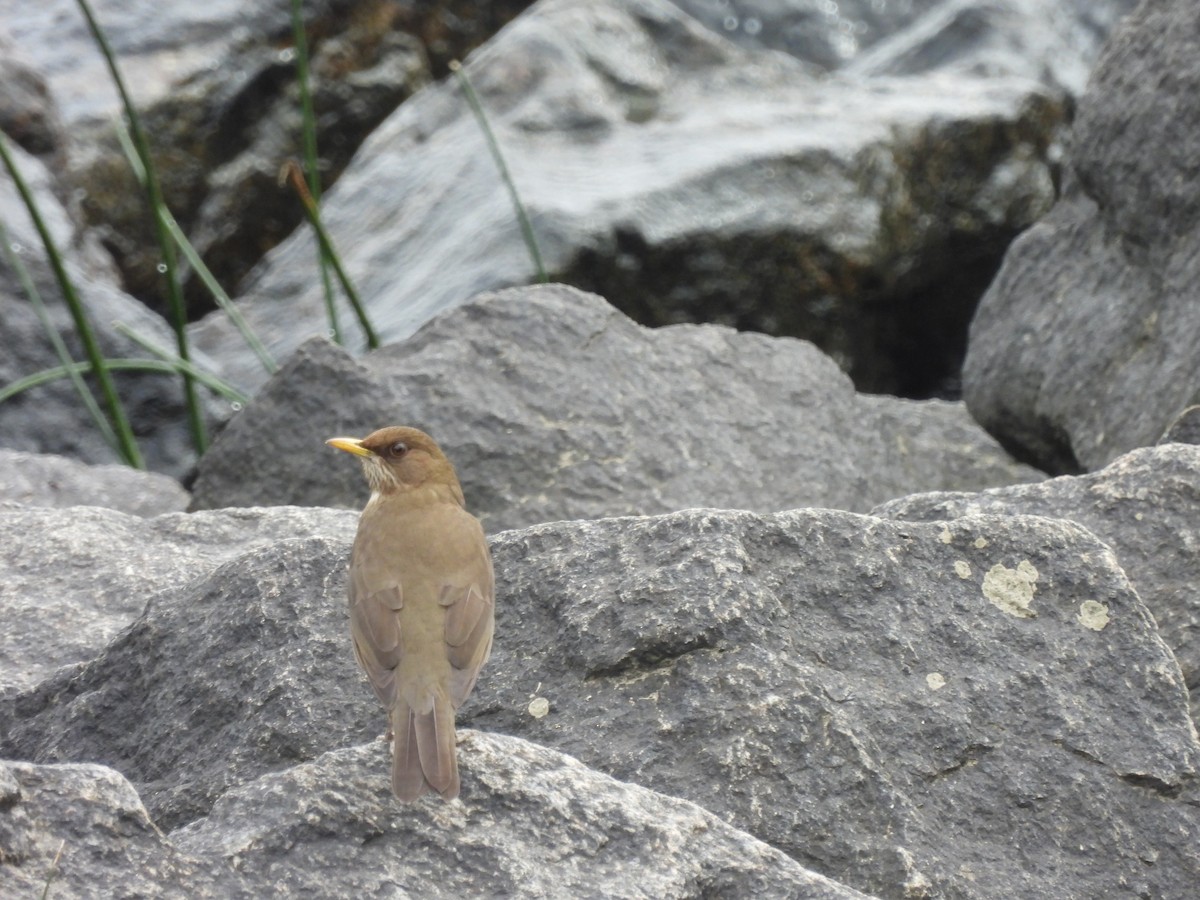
1011	590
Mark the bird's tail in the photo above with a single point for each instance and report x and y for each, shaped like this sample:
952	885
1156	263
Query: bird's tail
424	756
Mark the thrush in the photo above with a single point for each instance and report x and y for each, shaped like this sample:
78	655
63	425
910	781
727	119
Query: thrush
421	601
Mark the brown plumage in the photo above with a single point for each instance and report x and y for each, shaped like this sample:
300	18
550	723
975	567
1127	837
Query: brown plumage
421	601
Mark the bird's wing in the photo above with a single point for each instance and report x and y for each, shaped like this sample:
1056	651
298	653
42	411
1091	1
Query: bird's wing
469	598
375	597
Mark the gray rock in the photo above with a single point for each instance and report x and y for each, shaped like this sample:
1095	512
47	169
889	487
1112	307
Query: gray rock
874	698
1145	505
28	113
687	179
821	34
1085	345
912	709
51	418
72	579
1048	40
33	479
250	664
1185	429
553	405
80	831
534	824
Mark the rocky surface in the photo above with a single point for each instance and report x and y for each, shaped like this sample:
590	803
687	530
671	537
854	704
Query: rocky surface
72	579
1051	41
686	179
533	823
81	831
536	824
554	405
34	479
1144	505
885	702
1085	345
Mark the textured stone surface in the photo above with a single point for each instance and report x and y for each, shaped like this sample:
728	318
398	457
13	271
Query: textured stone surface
534	823
1085	345
909	708
1053	41
1145	505
72	579
35	479
79	831
686	179
553	405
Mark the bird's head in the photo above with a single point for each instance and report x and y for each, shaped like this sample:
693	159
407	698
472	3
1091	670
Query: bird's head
399	459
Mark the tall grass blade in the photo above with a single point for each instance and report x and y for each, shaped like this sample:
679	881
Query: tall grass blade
128	447
172	366
166	245
311	162
222	387
522	217
291	173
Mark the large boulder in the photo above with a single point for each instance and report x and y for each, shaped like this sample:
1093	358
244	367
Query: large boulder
331	828
1085	346
1145	505
554	405
687	179
913	709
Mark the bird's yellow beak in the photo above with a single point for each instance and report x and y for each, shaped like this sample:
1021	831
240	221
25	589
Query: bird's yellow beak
350	445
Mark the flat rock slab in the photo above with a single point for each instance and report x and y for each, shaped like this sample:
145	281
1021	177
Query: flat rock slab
554	405
975	708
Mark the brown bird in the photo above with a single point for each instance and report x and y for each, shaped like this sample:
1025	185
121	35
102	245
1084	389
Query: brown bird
421	601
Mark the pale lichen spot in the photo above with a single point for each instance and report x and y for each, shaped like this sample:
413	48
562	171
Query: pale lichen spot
1093	615
980	543
1011	590
1139	516
539	707
962	568
935	681
945	537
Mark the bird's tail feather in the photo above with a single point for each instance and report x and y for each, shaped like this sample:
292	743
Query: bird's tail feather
424	756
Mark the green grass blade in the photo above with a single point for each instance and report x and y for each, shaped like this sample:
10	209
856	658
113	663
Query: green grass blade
311	162
60	348
291	172
174	366
116	412
166	245
185	246
222	387
531	244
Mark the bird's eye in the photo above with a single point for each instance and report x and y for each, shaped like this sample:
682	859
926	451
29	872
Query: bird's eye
398	449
